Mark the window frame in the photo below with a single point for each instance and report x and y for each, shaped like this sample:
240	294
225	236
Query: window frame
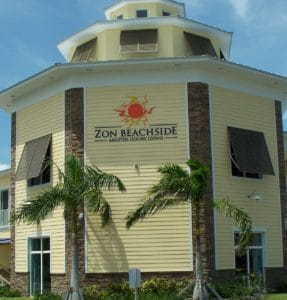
41	252
138	46
262	232
40	180
6	211
166	13
119	17
235	171
141	11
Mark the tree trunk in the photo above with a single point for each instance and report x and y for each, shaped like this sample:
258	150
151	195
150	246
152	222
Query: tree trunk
200	291
74	293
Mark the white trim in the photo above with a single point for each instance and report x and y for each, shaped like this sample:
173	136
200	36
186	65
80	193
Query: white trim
108	11
85	162
188	157
64	157
212	175
144	71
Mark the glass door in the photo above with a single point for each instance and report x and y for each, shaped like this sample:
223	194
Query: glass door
39	265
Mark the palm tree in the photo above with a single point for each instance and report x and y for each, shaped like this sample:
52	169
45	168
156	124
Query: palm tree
177	186
79	186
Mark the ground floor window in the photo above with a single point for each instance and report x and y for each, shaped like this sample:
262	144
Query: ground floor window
39	265
252	261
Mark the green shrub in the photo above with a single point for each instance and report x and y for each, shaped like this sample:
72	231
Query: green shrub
152	289
282	287
6	291
240	287
47	296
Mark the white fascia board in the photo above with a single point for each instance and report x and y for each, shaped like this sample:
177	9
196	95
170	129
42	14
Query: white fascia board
144	71
5	172
175	4
68	46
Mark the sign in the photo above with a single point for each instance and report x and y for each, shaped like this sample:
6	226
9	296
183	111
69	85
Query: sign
135	278
135	115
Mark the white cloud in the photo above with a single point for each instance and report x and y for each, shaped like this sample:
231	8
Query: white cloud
241	7
4	167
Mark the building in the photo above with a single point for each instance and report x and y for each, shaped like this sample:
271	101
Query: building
145	87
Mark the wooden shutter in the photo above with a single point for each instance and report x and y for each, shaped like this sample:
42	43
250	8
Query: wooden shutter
33	157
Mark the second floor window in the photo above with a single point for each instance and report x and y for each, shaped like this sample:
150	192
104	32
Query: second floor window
4	208
249	154
34	165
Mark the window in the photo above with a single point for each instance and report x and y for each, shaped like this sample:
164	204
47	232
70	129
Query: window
39	265
236	171
248	153
199	45
141	13
45	175
34	164
138	41
4	208
251	262
85	51
165	13
119	17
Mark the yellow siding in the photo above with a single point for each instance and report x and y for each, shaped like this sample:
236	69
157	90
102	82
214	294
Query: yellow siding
162	242
38	120
5	256
4	185
230	108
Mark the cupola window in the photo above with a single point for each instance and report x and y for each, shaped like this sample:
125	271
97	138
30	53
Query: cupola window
85	51
199	45
165	14
138	41
141	13
119	17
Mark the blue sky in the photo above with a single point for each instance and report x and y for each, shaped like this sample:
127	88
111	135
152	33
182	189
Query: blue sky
30	30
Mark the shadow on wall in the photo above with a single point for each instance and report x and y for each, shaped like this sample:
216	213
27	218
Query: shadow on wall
106	251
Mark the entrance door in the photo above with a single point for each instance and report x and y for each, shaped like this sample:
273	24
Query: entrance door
39	265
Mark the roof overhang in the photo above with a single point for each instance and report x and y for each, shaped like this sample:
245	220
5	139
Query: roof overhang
61	77
120	4
68	46
5	172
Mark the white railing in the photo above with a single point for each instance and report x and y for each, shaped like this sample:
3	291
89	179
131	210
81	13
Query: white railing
4	218
3	281
138	48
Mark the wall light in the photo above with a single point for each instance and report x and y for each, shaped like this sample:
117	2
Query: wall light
255	196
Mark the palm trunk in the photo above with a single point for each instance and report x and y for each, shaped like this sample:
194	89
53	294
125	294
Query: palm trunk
200	291
74	293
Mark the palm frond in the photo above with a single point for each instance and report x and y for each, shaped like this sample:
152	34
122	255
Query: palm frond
100	179
96	203
241	218
198	178
149	207
38	208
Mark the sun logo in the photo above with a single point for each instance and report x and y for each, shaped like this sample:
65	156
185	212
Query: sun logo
134	111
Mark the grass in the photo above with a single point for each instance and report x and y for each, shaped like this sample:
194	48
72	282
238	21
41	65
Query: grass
275	297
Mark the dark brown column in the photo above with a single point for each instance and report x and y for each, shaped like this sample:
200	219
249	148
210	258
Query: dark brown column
282	176
74	143
18	280
274	277
200	148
